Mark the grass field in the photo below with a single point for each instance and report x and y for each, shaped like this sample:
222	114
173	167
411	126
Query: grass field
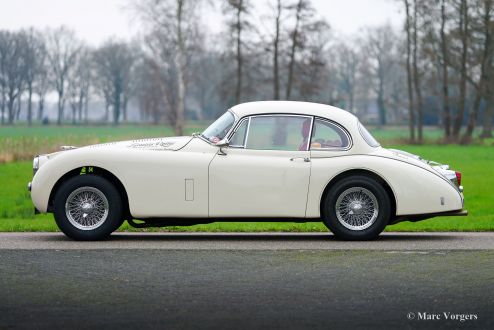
16	211
19	143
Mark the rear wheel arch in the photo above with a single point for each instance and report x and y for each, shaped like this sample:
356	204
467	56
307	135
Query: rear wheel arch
98	171
359	172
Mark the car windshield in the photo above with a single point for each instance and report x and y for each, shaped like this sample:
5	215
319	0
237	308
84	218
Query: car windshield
367	136
218	130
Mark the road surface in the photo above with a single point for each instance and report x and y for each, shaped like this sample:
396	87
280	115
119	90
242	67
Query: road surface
247	281
252	241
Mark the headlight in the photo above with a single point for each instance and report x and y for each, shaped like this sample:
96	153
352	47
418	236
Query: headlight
35	164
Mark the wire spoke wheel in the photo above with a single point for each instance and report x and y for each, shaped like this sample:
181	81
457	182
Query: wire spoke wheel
86	208
357	208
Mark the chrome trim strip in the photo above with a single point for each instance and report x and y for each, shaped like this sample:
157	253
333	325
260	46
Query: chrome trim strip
237	126
343	129
247	134
312	122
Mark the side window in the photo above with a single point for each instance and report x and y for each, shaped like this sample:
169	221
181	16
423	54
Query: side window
327	135
279	133
238	138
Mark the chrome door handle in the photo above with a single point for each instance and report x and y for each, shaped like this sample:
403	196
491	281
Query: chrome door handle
306	159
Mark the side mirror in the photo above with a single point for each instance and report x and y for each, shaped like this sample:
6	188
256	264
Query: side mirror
223	144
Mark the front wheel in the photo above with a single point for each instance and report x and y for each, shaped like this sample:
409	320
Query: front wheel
356	208
88	208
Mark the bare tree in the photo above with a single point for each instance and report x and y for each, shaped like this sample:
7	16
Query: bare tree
114	61
276	50
445	76
79	82
172	25
63	48
463	30
13	71
411	101
4	48
35	55
41	83
302	12
381	47
238	11
417	74
485	8
346	61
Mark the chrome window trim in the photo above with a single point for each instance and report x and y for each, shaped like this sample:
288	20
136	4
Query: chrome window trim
237	126
343	129
269	115
235	120
359	124
247	133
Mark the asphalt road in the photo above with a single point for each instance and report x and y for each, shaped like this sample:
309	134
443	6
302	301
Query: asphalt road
252	241
246	281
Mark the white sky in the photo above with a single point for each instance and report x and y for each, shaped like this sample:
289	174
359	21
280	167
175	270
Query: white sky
97	20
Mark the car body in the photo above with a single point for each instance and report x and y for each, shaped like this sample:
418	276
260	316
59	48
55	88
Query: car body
260	161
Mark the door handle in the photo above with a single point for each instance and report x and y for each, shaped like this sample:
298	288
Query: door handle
306	159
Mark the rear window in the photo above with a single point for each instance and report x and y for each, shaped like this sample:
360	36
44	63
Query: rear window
367	136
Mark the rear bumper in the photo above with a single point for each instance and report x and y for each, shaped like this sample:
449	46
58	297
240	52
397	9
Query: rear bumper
419	217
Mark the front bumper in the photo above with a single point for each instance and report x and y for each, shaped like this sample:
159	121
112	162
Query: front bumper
29	187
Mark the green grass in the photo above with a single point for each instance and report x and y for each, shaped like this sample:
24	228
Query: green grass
19	143
475	162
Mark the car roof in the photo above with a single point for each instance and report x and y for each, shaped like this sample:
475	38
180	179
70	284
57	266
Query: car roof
293	107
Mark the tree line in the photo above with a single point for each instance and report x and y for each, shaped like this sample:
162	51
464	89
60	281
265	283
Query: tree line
436	70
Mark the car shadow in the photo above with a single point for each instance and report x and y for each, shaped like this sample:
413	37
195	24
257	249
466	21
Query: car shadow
266	237
271	237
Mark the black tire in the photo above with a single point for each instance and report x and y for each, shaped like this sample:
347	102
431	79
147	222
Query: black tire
345	187
96	183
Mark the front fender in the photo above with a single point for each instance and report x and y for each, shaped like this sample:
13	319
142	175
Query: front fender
52	170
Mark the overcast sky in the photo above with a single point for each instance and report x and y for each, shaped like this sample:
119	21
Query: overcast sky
97	20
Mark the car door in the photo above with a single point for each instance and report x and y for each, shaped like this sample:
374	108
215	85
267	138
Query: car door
265	171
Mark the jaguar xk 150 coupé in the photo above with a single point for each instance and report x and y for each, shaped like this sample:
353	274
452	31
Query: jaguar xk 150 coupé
260	161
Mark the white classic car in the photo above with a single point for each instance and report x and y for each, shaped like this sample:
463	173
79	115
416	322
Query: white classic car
260	161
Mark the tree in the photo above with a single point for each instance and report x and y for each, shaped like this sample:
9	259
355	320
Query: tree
380	47
14	64
445	76
276	50
238	26
63	49
484	29
79	82
463	31
35	55
114	61
411	103
303	11
171	30
42	84
417	74
346	59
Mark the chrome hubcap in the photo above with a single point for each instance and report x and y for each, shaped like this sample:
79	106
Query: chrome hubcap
357	208
86	208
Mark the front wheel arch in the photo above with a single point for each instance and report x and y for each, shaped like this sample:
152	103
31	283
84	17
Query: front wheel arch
99	171
357	172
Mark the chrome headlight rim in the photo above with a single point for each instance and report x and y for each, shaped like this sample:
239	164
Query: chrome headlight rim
35	164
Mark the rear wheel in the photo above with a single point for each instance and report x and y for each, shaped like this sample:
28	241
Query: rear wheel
356	208
87	207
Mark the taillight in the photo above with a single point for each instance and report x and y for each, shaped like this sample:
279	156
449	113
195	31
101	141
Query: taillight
458	178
